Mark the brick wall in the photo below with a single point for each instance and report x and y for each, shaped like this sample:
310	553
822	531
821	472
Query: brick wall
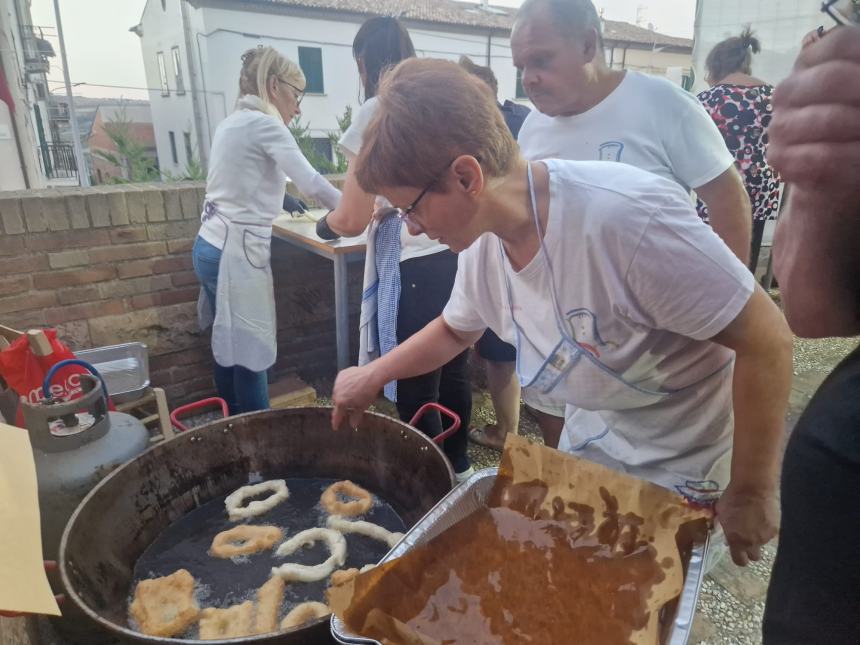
112	264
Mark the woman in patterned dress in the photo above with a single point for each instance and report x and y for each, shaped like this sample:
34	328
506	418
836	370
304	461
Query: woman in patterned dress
739	104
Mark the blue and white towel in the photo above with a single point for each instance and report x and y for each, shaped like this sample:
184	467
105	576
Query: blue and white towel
381	294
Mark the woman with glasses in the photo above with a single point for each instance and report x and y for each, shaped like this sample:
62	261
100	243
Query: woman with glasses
252	155
408	278
675	365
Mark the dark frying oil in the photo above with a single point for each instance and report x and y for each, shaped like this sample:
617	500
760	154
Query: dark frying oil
517	573
223	582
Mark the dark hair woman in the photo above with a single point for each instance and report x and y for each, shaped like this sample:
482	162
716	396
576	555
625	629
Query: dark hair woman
381	43
408	277
740	105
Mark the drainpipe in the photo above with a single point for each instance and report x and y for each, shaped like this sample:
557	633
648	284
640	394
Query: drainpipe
489	50
192	79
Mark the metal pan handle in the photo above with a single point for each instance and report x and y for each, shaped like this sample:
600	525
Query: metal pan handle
455	420
191	407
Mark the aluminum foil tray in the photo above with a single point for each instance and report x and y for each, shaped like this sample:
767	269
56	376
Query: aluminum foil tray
472	495
125	369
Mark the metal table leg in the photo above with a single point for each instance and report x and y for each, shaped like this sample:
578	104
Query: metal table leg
341	311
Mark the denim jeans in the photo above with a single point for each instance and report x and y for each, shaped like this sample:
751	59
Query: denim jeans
243	389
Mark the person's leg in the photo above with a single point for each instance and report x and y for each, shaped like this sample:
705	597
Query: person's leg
252	389
504	389
755	249
206	259
455	393
550	427
225	384
414	392
425	286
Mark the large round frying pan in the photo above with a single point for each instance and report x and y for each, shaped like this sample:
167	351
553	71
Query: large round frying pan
128	510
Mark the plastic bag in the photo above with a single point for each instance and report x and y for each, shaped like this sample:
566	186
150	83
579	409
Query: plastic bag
24	372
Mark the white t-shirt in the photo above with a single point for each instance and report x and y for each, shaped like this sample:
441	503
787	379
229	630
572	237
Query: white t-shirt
252	154
411	246
643	283
647	122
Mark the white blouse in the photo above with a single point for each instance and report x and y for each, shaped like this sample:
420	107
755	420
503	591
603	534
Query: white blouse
253	154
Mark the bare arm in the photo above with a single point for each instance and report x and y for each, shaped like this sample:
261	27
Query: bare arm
356	388
355	209
762	379
730	211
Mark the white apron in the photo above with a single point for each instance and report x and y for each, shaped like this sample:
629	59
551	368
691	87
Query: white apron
244	331
594	390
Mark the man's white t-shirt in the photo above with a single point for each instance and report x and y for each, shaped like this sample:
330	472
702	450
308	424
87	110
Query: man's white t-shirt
643	283
411	246
647	122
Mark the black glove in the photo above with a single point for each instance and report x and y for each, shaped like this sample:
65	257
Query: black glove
323	229
294	204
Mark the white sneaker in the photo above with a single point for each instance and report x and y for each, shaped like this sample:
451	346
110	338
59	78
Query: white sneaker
463	476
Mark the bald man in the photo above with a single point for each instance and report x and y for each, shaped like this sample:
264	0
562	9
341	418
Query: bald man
587	111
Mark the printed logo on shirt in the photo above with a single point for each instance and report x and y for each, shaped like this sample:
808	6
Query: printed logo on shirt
583	327
610	151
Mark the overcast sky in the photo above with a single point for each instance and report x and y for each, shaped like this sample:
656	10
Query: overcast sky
102	51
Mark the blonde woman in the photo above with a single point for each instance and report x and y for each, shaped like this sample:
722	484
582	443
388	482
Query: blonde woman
252	154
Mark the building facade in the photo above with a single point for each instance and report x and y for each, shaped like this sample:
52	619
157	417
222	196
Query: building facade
779	24
32	151
192	48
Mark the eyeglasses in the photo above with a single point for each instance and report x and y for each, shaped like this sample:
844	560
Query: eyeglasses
300	94
404	213
844	12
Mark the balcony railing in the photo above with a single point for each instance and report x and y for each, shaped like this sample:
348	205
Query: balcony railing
57	160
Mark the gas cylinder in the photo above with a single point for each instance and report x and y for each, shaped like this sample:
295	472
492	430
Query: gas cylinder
76	443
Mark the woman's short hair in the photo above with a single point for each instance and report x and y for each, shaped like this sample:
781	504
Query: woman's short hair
430	112
732	55
259	65
380	43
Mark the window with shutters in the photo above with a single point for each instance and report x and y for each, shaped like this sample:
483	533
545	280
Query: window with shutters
189	149
310	60
520	92
173	154
177	71
162	74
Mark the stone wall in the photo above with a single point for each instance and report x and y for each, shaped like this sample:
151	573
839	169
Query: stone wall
112	264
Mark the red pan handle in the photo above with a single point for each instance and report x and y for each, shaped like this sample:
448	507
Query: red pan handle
455	420
191	407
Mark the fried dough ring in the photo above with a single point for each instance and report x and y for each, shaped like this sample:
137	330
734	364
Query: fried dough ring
342	576
359	506
303	573
369	529
165	606
245	539
231	622
305	613
233	502
269	598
